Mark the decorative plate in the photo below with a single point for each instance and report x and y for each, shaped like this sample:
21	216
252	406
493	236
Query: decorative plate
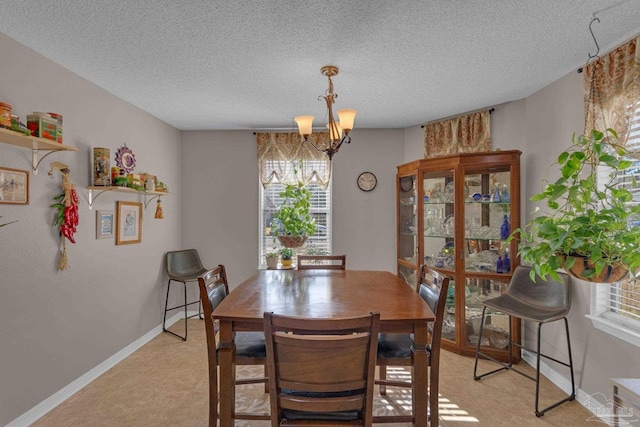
125	159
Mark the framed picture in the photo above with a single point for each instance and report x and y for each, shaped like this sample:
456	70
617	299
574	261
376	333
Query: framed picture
14	186
128	223
104	224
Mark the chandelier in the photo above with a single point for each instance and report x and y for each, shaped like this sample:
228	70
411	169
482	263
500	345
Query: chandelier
338	132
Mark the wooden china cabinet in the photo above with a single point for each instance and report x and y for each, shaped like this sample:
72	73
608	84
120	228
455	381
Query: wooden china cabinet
454	214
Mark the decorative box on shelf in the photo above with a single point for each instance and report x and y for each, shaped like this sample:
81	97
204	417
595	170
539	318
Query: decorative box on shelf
43	126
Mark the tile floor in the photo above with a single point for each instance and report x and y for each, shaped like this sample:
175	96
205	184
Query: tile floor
165	383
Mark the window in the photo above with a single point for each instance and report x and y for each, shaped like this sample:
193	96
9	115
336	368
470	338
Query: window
615	308
270	200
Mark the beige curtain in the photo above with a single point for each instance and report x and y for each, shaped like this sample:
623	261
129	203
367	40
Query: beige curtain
612	89
470	133
288	158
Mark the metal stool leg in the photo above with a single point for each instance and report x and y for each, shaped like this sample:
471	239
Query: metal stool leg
572	395
185	305
166	302
186	316
479	353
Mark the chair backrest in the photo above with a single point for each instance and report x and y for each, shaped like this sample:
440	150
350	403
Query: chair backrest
321	369
432	287
322	262
213	289
550	294
184	264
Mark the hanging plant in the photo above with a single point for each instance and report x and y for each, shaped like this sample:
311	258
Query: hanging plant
292	223
589	228
66	205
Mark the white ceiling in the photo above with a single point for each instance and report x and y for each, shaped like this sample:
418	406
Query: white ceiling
242	64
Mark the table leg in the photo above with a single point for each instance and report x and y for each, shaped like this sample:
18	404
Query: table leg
227	374
420	376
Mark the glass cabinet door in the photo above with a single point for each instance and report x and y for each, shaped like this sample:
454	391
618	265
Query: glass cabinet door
439	221
407	229
487	221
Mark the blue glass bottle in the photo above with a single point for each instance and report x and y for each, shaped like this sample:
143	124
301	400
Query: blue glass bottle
505	195
497	198
506	264
505	228
499	265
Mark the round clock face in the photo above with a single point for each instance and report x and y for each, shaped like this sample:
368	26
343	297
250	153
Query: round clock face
367	181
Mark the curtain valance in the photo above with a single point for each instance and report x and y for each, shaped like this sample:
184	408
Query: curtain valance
285	157
469	133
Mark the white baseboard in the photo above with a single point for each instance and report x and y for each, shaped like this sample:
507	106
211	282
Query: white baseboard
63	394
563	383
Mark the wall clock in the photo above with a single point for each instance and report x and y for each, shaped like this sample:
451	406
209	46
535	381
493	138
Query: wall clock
367	181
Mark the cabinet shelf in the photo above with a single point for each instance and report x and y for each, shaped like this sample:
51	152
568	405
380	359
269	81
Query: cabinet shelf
35	144
128	190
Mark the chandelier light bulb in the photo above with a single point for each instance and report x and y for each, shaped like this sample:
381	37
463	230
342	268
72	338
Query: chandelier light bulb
347	117
305	124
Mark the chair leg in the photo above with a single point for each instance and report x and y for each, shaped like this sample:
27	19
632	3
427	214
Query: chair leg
572	395
166	309
166	302
503	366
186	315
383	377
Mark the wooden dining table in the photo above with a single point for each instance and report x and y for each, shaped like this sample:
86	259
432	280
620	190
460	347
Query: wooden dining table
323	294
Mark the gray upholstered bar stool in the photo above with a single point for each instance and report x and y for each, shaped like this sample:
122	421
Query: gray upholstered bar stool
183	266
540	302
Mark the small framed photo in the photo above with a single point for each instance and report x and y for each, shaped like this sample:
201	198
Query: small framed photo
104	224
14	186
128	223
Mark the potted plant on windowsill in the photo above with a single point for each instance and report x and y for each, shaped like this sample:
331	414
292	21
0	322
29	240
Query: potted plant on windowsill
589	229
272	260
292	223
286	255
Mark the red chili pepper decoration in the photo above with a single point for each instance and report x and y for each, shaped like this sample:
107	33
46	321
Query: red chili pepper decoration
67	217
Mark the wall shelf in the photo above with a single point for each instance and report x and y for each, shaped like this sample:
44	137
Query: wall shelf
128	190
35	144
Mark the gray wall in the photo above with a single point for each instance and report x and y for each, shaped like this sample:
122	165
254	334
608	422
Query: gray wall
220	174
56	326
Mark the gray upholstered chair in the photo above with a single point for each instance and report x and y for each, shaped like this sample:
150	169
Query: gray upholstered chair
321	371
182	266
539	302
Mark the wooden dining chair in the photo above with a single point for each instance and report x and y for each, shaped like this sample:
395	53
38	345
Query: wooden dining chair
321	370
322	262
250	346
395	349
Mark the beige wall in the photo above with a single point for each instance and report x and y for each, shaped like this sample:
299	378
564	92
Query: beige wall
221	191
56	326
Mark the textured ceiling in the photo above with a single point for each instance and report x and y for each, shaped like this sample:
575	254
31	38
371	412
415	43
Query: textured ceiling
211	64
